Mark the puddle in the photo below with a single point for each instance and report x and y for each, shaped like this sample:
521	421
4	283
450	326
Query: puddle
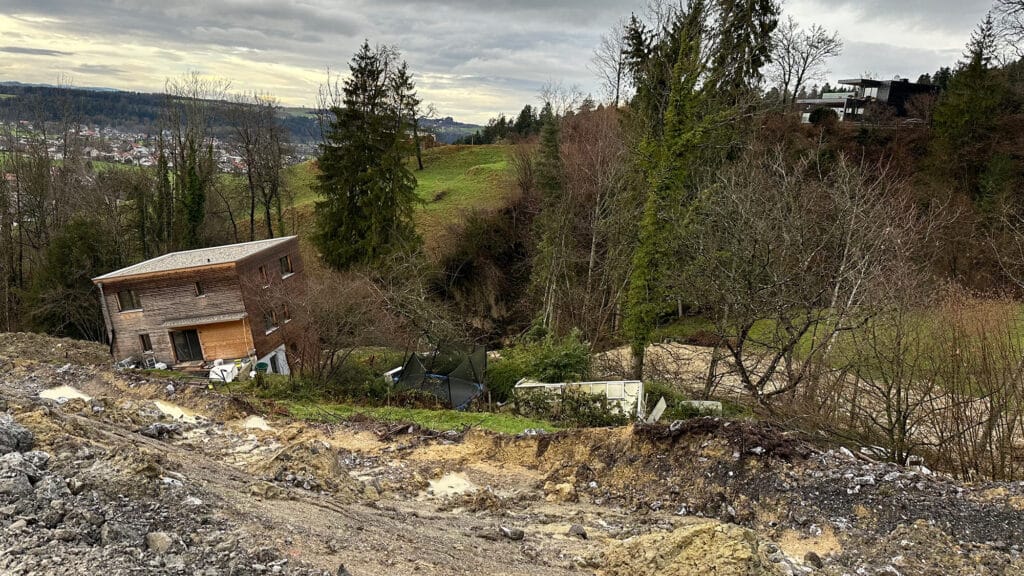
451	484
176	412
256	423
64	393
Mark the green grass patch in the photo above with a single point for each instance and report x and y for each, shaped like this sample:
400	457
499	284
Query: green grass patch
300	179
454	179
440	420
683	329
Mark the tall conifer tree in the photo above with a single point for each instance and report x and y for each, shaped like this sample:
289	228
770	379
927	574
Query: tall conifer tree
368	194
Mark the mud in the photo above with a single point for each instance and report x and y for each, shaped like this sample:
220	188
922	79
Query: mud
236	492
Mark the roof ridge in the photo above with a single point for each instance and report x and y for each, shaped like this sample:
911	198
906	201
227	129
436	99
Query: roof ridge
185	259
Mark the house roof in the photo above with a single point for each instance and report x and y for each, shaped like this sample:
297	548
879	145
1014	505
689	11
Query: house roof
216	255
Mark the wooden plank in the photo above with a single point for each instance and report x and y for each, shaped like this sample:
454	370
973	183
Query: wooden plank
224	340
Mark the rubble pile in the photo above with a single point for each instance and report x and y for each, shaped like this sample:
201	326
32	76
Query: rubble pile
120	473
76	514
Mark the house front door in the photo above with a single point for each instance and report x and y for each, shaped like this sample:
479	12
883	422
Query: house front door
186	345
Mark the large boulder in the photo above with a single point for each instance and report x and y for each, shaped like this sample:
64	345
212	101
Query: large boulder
13	436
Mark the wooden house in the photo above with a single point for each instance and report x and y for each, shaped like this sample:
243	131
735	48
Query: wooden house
187	309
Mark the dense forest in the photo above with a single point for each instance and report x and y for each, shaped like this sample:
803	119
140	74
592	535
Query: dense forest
859	278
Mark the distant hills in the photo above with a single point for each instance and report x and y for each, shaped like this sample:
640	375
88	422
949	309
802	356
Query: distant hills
447	129
139	111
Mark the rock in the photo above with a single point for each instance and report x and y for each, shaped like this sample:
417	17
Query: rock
161	431
18	525
342	571
812	559
266	490
16	462
13	436
15	484
52	488
76	486
709	547
37	458
115	533
513	534
159	542
562	492
578	531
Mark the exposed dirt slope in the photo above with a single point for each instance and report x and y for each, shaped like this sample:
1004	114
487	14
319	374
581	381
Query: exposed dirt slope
116	484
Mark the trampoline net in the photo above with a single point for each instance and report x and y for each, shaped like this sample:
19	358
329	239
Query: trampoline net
452	374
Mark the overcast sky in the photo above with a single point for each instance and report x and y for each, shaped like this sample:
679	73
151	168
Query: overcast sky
473	58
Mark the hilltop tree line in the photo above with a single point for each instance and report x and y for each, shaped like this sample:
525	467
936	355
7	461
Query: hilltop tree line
137	112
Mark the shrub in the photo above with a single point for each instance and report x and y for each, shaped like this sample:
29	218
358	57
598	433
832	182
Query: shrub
548	359
823	116
570	407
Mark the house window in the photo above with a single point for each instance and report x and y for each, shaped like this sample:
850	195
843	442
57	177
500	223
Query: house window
286	266
147	343
200	289
286	314
128	300
263	276
274	366
269	321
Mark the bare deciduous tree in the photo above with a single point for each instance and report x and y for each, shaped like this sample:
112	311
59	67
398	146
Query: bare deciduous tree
262	141
784	256
609	63
799	55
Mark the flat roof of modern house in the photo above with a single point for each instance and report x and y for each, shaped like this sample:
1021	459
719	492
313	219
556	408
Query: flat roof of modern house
213	256
865	82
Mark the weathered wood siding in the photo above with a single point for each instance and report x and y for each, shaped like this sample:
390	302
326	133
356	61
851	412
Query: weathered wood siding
274	295
168	298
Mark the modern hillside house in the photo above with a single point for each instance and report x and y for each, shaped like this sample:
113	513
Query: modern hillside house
188	309
851	104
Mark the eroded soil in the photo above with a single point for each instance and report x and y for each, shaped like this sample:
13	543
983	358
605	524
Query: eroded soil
201	485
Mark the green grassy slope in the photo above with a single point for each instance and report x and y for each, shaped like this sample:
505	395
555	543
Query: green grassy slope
454	179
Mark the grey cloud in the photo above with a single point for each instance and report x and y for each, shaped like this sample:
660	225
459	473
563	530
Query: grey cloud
99	69
33	51
886	61
945	15
476	57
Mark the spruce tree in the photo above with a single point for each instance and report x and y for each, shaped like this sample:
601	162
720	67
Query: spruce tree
368	194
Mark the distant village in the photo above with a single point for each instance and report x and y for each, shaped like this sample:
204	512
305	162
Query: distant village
116	146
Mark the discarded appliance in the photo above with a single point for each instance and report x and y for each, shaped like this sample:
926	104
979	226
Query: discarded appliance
454	376
627	395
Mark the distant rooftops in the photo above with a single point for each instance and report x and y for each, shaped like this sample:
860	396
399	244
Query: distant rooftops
213	256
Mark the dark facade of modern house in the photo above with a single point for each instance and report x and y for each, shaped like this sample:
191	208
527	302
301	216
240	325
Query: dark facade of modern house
191	308
851	105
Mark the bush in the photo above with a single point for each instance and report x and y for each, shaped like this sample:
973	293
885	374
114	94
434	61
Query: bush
548	359
823	116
